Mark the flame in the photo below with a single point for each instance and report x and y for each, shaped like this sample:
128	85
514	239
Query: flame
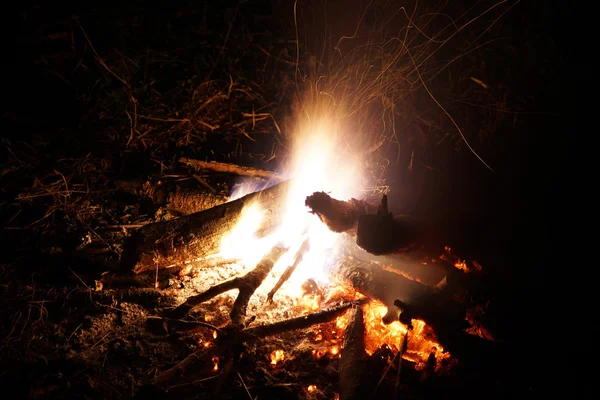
241	243
321	161
276	356
311	388
462	265
215	361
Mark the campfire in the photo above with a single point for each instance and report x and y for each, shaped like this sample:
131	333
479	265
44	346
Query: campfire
284	258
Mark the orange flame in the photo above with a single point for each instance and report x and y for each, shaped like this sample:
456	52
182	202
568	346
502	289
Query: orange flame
276	356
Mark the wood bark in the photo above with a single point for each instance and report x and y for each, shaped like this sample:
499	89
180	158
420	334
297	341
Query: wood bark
163	244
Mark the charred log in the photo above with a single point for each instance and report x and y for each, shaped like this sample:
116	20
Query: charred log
162	244
402	243
434	308
353	358
417	265
300	322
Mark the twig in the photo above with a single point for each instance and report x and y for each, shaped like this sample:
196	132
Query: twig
244	385
80	280
97	56
72	333
204	183
229	168
183	321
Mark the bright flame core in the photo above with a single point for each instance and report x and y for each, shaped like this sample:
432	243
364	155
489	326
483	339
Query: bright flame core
318	164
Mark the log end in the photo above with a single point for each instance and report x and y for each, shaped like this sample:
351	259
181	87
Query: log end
339	216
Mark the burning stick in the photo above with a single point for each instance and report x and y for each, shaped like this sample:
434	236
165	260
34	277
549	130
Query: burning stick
229	168
161	244
289	270
353	356
246	284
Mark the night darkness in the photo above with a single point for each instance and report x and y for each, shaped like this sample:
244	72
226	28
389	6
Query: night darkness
100	104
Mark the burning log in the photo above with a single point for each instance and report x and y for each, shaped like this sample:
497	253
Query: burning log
246	284
353	357
394	241
427	304
163	244
413	300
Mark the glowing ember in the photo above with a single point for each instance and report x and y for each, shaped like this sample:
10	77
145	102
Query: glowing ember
215	361
311	388
421	339
335	350
462	265
276	356
215	334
